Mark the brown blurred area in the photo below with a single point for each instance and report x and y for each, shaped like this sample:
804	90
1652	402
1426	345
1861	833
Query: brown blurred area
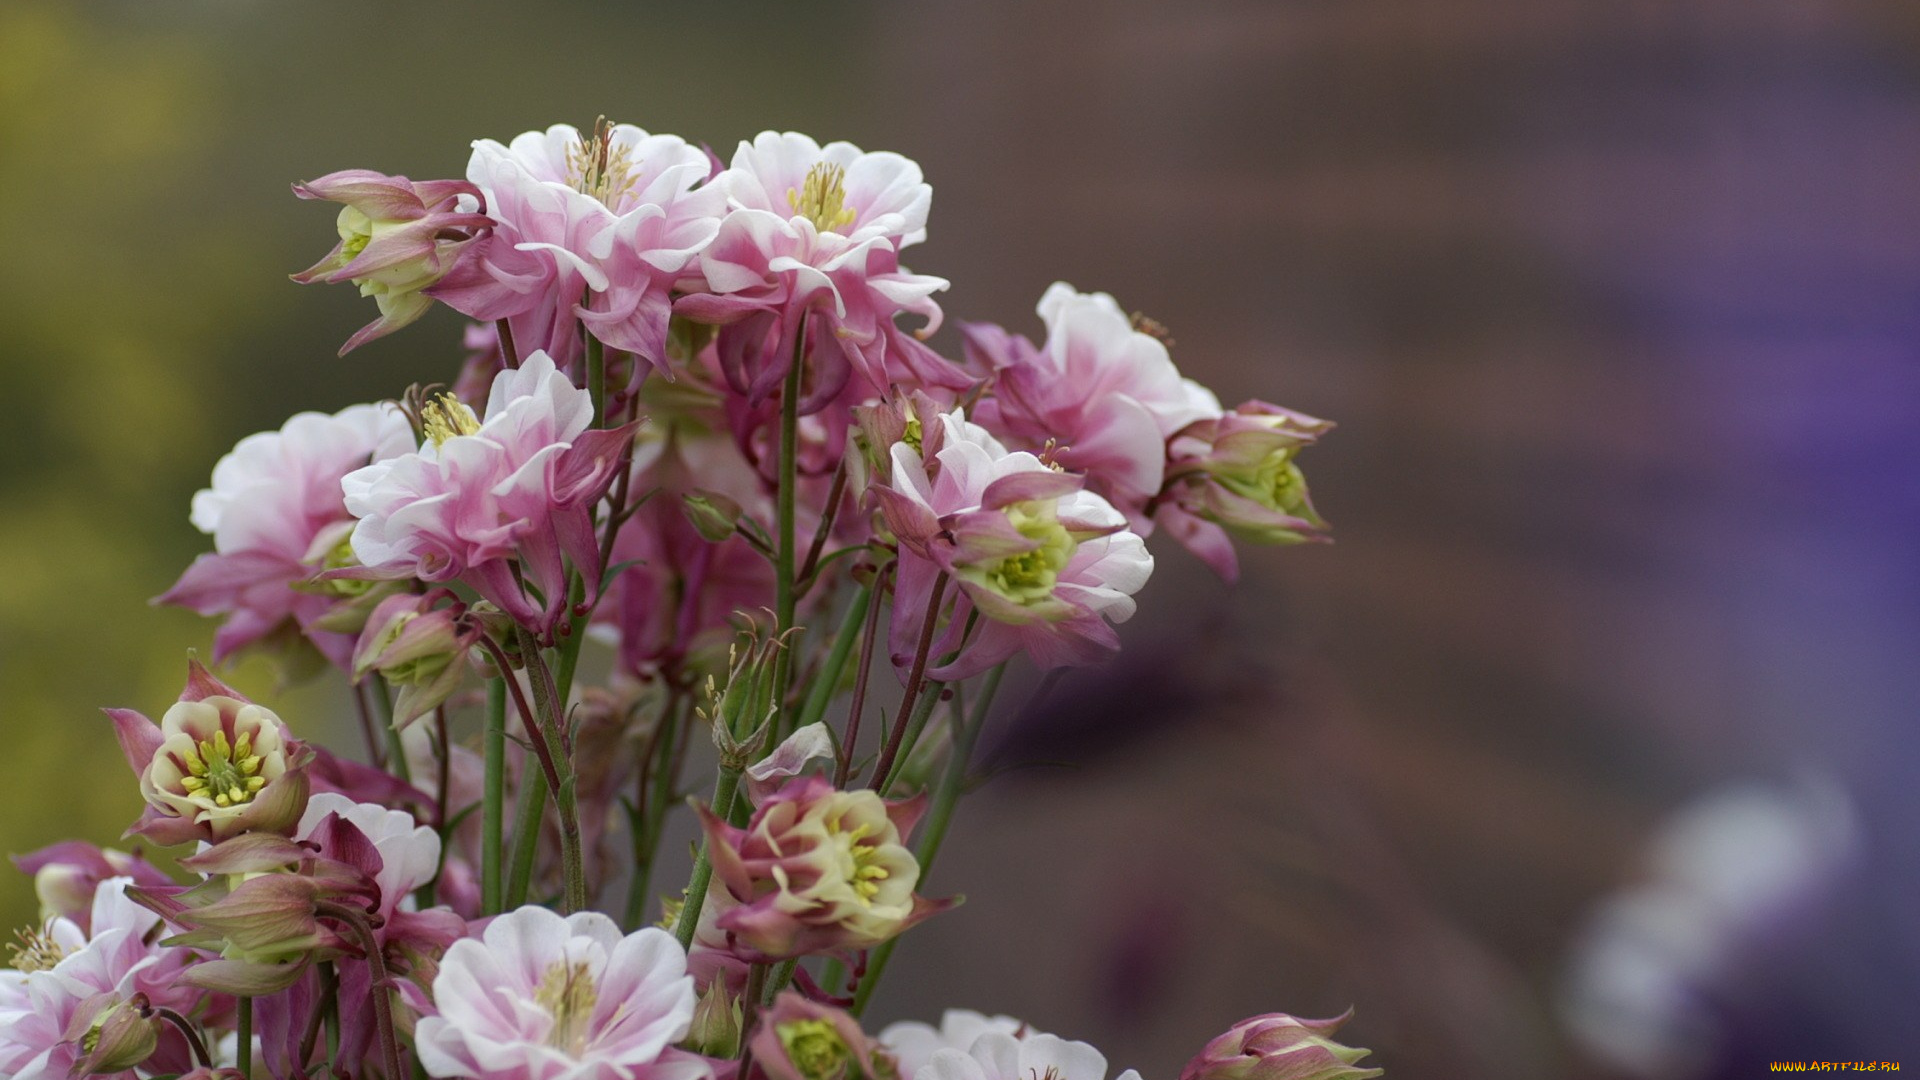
1615	305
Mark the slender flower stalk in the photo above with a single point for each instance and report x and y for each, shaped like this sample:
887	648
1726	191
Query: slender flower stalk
493	807
916	681
953	784
783	571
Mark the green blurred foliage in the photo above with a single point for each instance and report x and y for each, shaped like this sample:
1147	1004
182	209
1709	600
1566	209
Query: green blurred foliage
145	157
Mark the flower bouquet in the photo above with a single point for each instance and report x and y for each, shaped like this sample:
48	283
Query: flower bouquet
693	430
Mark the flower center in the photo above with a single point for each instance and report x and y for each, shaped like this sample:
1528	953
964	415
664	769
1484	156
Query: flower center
595	168
1031	575
356	232
822	198
864	873
568	994
912	436
447	416
35	951
814	1047
227	773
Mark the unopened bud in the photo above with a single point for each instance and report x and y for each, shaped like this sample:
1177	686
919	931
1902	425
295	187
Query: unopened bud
717	1020
1275	1046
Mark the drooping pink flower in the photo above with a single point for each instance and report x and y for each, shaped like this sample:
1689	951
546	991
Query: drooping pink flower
1235	475
817	870
595	229
518	486
799	1039
541	997
397	237
276	516
1099	397
1275	1046
1046	565
813	235
216	765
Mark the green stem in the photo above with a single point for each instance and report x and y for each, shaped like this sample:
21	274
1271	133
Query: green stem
493	807
243	1051
654	813
784	556
915	725
526	834
946	796
821	693
723	789
916	681
550	741
383	716
597	379
778	981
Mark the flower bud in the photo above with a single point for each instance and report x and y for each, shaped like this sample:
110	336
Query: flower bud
714	516
1238	472
418	648
114	1035
803	1040
1275	1046
717	1019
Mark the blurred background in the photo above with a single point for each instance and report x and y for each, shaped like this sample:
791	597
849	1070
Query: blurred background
1587	751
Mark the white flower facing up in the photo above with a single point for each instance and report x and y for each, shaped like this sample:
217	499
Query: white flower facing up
541	997
971	1046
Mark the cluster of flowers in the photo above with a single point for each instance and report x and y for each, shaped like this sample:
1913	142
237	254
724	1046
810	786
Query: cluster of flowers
688	399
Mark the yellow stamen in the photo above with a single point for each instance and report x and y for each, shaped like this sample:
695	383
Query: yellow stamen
822	198
447	416
35	952
568	994
595	168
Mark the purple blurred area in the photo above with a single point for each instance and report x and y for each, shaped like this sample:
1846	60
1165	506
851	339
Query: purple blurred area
1588	750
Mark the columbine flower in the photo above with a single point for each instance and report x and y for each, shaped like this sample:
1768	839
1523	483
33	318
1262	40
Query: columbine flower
614	217
67	877
1236	474
277	517
914	1043
817	870
215	766
539	997
63	979
814	234
1275	1046
804	1040
1047	565
1104	396
396	238
517	485
969	1046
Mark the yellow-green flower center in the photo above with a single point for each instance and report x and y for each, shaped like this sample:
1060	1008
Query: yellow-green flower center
912	436
864	872
1030	576
595	168
1276	483
822	198
35	951
815	1048
227	773
356	232
568	994
447	416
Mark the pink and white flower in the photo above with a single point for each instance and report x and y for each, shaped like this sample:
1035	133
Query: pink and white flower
66	970
1100	397
276	517
541	997
1235	475
1047	565
817	870
67	876
813	235
517	486
969	1046
397	237
614	217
